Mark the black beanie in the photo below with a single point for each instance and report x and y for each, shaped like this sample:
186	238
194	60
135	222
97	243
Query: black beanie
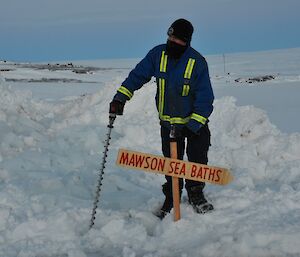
181	29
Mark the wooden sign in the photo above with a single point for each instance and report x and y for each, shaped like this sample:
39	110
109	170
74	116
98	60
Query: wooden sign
173	167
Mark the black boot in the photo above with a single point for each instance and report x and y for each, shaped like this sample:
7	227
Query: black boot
168	203
198	201
166	208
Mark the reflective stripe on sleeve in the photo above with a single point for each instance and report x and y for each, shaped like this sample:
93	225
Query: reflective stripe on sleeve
125	91
199	118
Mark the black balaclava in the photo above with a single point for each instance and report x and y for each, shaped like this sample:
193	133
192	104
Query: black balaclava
183	30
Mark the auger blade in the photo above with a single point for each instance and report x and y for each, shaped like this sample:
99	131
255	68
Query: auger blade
110	126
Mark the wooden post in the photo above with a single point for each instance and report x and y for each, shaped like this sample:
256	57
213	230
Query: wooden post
175	181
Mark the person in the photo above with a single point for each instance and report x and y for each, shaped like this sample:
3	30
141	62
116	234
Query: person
184	100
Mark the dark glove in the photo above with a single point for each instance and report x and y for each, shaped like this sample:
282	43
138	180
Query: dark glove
189	133
116	107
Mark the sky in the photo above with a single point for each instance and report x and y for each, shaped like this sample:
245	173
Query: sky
55	30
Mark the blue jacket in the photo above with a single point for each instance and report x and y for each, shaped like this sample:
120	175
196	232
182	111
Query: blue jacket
184	94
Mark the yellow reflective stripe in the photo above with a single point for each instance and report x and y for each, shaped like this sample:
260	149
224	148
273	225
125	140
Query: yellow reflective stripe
161	84
174	120
179	120
189	68
163	62
125	91
198	118
185	90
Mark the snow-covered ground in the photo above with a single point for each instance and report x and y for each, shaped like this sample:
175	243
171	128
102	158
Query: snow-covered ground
51	145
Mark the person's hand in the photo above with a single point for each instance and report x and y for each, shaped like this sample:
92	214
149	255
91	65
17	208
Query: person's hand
190	133
116	107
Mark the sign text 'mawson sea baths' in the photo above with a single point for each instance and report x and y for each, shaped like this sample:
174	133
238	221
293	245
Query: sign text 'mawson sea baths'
173	167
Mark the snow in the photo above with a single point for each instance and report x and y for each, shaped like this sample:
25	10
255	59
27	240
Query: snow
51	145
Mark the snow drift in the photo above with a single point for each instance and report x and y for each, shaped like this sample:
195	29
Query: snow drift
49	159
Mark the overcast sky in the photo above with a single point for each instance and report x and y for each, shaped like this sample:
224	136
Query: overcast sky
53	30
